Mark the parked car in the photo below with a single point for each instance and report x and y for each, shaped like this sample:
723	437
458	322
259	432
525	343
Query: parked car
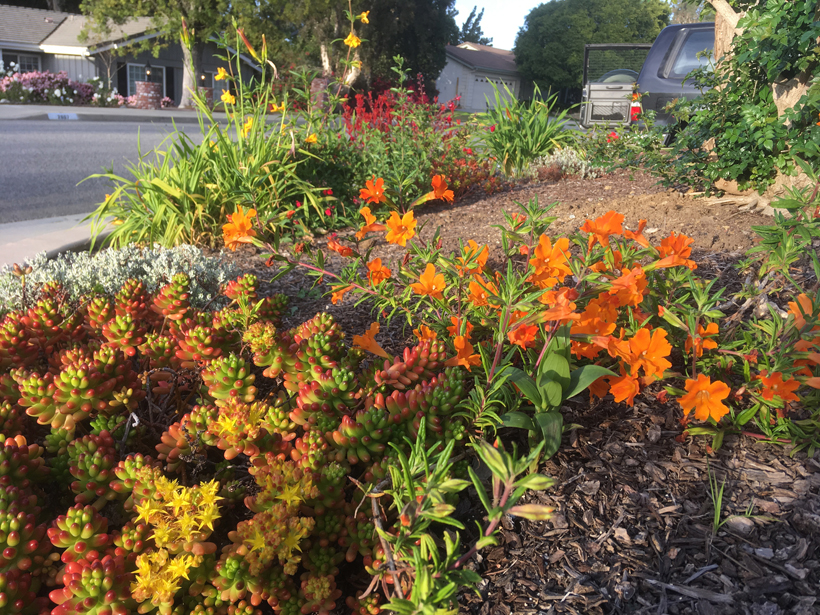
673	56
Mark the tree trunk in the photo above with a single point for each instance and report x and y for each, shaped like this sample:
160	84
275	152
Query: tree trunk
356	69
324	52
191	61
55	5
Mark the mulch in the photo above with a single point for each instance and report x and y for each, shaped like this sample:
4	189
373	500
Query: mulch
633	528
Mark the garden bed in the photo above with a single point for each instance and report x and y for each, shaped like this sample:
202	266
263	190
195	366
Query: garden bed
633	530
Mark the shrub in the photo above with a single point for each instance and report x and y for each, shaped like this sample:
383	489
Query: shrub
53	88
565	162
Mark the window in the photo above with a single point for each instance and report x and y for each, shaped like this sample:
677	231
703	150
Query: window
206	79
687	60
25	63
136	72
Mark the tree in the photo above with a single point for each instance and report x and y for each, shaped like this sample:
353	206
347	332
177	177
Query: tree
691	11
549	48
203	18
471	30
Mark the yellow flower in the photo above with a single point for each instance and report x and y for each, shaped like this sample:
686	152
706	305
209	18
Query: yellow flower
352	40
364	18
221	74
311	138
228	98
247	127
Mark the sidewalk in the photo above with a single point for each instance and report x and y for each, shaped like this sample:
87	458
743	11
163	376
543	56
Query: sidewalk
101	114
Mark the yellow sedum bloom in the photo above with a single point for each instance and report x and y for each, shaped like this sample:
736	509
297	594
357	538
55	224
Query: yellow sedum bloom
352	40
228	98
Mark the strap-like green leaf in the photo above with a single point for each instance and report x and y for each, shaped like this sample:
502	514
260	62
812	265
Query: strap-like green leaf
551	424
518	420
582	377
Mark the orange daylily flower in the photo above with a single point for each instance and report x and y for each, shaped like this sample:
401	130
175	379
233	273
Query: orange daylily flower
367	341
478	256
602	227
424	333
629	287
561	306
373	191
551	263
649	351
624	388
401	228
775	385
370	224
481	291
638	236
705	398
341	250
455	329
429	283
339	293
464	354
675	250
440	190
239	230
701	342
376	272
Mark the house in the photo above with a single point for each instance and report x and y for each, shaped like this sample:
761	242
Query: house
471	71
43	40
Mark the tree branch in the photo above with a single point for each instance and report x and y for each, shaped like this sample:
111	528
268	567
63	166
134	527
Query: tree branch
724	9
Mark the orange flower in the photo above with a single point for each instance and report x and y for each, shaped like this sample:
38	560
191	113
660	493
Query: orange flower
628	288
424	333
638	236
429	283
594	320
481	291
602	227
550	262
464	354
341	250
523	335
377	273
401	229
370	224
561	306
624	388
367	341
649	351
800	309
239	230
699	342
477	259
617	261
455	329
775	385
373	192
706	398
339	293
675	250
599	388
440	189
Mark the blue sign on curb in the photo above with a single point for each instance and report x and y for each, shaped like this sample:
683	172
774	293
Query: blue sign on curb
63	116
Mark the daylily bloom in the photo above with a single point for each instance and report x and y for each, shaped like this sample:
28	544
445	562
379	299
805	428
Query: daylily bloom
675	250
311	138
239	230
424	333
550	262
705	398
376	272
476	257
430	283
374	191
247	127
440	190
629	287
401	229
228	98
221	74
367	341
773	384
370	224
638	236
341	250
700	341
352	40
464	354
363	17
602	227
339	293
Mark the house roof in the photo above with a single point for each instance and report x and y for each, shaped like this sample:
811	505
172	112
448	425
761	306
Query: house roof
25	28
484	57
67	34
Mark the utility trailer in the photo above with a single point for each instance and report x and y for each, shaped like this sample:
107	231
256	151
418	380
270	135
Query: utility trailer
610	72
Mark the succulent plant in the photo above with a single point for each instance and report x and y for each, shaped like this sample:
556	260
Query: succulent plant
229	378
124	333
21	462
332	392
97	587
18	347
201	344
98	311
129	477
23	542
130	541
92	462
173	299
18	594
416	364
319	594
82	532
11	419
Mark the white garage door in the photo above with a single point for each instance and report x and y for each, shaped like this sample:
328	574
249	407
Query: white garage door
483	92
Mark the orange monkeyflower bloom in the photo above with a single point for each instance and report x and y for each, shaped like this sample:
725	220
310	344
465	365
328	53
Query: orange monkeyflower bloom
523	335
599	388
464	354
239	230
455	329
551	263
339	293
367	341
624	388
440	189
370	224
524	249
638	236
481	291
629	288
775	385
341	250
601	266
401	228
561	306
701	342
424	333
518	219
429	283
594	320
800	309
705	398
376	272
649	352
373	192
675	250
478	258
602	227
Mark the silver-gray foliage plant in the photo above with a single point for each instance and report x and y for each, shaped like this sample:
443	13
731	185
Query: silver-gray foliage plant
82	273
570	161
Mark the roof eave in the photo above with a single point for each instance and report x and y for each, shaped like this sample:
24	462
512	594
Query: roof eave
66	50
500	71
17	46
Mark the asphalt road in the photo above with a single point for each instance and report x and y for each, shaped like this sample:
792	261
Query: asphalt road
42	163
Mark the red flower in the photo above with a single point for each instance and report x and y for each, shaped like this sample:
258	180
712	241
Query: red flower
492	128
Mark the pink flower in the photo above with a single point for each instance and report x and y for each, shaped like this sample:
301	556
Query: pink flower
492	128
328	212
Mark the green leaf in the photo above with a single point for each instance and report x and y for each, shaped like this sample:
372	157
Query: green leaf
551	424
554	368
518	420
747	415
536	482
582	377
533	512
527	385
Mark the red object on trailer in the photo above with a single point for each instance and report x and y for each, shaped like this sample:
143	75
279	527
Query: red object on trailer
634	110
